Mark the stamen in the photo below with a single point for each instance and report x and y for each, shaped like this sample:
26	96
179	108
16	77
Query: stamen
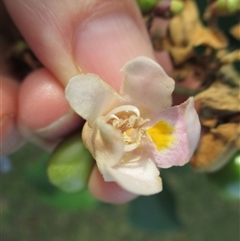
130	147
127	119
122	109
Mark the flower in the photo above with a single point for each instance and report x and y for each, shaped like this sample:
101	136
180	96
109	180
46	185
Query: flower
133	133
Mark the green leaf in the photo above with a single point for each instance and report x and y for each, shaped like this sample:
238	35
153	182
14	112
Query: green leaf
81	200
155	213
29	153
70	165
227	179
36	174
51	195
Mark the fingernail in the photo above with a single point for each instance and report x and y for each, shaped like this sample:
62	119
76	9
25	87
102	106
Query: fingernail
49	136
11	139
105	44
60	127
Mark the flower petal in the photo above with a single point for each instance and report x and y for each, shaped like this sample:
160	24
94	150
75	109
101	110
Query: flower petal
177	149
105	144
89	96
146	85
140	177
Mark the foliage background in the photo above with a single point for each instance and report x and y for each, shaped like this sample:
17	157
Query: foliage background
26	215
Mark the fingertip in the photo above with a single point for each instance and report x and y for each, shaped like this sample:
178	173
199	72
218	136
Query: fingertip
43	111
108	192
9	134
9	89
40	97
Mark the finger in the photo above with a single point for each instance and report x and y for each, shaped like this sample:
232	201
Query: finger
9	135
107	191
95	36
108	41
44	116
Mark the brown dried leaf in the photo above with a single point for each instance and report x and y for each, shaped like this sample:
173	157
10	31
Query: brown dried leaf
179	54
219	97
230	73
187	32
216	147
211	122
235	31
218	104
228	132
181	73
231	57
209	37
184	24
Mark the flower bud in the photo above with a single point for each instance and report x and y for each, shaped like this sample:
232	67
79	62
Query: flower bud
147	5
176	6
70	165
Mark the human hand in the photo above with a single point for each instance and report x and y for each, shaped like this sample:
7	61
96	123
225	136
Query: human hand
95	36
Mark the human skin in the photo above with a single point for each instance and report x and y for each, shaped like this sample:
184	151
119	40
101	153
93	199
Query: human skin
68	37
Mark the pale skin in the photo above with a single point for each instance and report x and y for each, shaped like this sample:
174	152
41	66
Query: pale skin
68	37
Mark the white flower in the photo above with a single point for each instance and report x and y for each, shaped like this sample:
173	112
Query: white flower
133	133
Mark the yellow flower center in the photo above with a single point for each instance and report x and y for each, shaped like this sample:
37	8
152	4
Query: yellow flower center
161	135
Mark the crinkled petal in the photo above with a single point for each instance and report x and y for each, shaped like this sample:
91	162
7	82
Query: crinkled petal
146	85
87	138
185	124
138	176
89	96
105	144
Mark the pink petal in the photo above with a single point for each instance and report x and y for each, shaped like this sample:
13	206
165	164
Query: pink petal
140	176
89	96
186	126
147	86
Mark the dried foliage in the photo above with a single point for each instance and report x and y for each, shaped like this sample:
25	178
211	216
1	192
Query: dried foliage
202	60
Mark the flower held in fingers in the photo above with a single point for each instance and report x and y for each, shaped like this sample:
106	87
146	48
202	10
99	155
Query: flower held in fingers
133	133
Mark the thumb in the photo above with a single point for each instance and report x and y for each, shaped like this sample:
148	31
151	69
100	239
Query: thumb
94	36
111	38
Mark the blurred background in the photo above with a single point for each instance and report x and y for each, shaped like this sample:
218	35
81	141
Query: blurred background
188	209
